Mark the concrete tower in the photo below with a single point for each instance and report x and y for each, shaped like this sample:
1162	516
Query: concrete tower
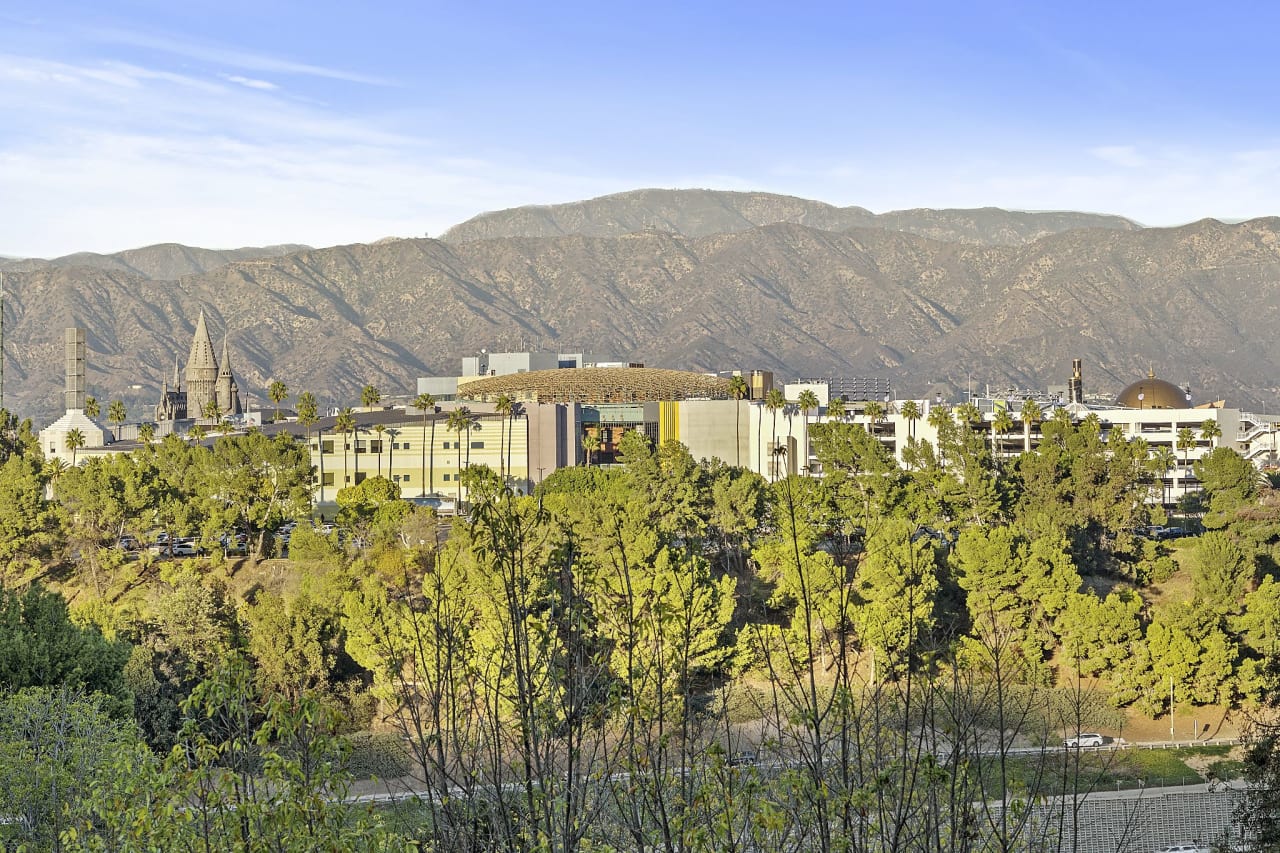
202	371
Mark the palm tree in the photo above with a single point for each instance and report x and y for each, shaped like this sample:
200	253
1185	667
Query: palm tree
55	468
516	411
370	396
147	433
226	427
774	401
117	414
738	391
939	419
836	409
874	412
381	430
968	413
1210	431
470	421
503	407
308	412
1186	441
807	401
426	403
75	441
344	425
277	392
458	423
1002	423
1030	414
91	407
211	411
1163	459
910	412
591	444
196	433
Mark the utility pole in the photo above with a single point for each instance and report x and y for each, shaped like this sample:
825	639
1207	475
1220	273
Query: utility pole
1171	708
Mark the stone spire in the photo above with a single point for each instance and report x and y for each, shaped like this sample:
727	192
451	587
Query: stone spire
228	393
202	370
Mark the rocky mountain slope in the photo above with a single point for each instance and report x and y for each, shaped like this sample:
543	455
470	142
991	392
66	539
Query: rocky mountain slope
700	213
1199	303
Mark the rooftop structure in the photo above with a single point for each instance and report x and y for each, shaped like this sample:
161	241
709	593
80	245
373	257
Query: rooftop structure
598	385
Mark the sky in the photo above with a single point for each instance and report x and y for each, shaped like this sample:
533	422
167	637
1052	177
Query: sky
232	123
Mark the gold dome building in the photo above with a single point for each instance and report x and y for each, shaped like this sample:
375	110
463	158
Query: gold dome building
1153	393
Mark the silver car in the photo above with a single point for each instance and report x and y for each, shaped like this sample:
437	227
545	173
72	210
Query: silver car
1085	739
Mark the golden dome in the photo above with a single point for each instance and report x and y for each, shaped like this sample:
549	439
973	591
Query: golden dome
1152	393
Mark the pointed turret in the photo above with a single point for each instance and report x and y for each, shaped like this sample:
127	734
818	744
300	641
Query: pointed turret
202	370
228	392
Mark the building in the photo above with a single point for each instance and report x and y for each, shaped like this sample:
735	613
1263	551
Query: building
91	436
208	383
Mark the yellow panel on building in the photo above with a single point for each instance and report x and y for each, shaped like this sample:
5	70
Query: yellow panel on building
668	421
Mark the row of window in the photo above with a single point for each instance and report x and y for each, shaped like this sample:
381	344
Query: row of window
329	479
376	446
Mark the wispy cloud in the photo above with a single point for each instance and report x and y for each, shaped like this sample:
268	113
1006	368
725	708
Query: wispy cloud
1119	155
231	57
249	82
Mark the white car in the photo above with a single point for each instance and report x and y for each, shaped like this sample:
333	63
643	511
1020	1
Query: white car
1085	739
1186	848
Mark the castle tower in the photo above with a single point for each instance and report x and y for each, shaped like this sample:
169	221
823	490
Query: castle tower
228	391
202	371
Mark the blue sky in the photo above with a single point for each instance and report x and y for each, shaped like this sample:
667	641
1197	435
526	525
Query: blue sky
236	123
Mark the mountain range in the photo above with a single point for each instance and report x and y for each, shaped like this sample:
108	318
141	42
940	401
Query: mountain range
695	279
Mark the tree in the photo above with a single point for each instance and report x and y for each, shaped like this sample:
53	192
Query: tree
91	407
836	410
308	412
774	401
1029	415
41	647
911	413
381	431
459	421
345	425
1185	442
1002	424
252	483
117	415
1163	460
1210	431
502	406
370	396
147	433
874	412
808	401
426	403
75	441
277	392
211	411
591	444
738	391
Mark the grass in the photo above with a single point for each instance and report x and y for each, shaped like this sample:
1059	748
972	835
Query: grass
1059	771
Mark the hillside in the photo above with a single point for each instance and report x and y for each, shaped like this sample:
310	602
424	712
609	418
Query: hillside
1199	303
701	213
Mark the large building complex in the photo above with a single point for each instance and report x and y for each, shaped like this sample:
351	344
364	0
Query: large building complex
210	385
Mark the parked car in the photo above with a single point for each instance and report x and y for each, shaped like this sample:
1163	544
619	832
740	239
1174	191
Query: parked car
185	549
742	758
1085	739
1185	848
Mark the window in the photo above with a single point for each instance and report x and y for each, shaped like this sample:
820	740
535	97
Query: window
477	445
327	479
446	445
326	446
375	446
446	478
360	475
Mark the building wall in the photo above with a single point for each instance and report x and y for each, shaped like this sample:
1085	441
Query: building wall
715	429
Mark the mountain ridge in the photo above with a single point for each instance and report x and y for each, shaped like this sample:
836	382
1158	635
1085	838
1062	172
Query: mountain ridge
1200	302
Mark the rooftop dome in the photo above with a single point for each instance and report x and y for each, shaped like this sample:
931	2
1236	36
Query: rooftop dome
1153	393
597	385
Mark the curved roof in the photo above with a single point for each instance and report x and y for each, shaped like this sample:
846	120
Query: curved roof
1153	393
597	385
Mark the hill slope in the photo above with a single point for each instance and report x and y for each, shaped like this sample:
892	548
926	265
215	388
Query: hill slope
1201	303
701	213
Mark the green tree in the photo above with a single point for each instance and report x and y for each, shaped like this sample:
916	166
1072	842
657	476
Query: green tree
426	403
370	396
74	441
1210	431
211	411
147	433
380	430
1186	442
277	393
345	425
458	422
308	412
31	526
117	414
590	444
503	406
897	583
1030	414
253	484
1222	572
836	410
738	391
910	413
91	407
775	402
41	647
